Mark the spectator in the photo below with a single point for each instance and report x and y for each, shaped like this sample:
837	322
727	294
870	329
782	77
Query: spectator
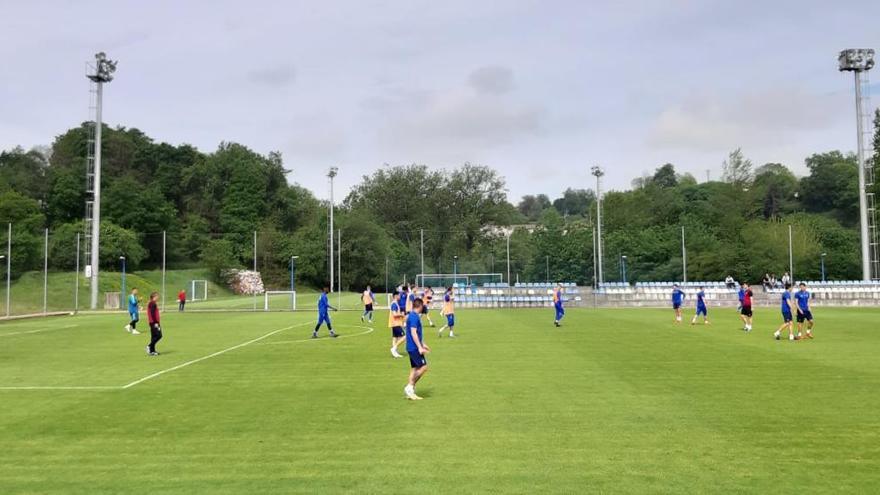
730	282
765	282
786	278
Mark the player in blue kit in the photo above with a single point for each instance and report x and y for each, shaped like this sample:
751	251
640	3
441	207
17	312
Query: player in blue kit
701	308
677	298
416	348
802	296
324	314
133	312
787	307
557	304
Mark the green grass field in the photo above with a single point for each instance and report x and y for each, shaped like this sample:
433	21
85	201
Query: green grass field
615	401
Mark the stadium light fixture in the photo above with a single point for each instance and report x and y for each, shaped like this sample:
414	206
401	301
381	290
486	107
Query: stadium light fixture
293	272
598	173
859	61
331	174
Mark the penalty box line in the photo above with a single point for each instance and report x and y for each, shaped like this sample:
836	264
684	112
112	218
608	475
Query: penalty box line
158	373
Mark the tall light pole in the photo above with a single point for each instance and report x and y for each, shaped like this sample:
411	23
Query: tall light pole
822	258
547	262
331	174
508	259
3	257
103	73
623	267
684	258
454	270
598	173
859	62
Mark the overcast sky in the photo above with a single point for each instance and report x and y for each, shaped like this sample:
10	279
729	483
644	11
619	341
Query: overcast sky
539	90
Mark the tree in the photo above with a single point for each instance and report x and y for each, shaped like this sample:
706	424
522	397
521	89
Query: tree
532	206
24	172
665	176
737	169
776	187
832	186
574	202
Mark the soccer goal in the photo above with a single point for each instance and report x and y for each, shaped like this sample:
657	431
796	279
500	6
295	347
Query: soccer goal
461	279
279	300
198	290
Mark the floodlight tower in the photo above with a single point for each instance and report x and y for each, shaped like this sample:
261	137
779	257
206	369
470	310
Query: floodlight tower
859	61
598	173
100	73
331	174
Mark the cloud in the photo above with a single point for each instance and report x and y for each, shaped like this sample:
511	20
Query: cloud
492	79
713	122
275	77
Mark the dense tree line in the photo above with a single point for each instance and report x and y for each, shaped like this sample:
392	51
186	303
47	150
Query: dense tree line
211	203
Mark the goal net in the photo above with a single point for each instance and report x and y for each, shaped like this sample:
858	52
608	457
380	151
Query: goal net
460	279
198	290
279	300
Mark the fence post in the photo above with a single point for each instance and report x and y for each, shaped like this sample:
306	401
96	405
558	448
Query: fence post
163	274
8	267
255	267
46	272
76	279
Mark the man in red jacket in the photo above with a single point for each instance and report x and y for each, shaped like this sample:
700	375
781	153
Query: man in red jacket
181	300
155	329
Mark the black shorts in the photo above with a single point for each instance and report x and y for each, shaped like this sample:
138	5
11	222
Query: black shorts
803	316
417	360
368	307
397	331
425	308
746	311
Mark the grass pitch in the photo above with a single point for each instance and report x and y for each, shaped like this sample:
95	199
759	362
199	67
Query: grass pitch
615	401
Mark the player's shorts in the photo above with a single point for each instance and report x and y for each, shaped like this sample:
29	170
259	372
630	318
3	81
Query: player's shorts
701	310
746	311
803	316
323	318
368	307
676	305
134	315
786	316
425	308
416	360
397	331
450	320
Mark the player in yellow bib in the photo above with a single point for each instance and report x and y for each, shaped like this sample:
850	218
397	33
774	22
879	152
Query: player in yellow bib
395	323
449	312
369	299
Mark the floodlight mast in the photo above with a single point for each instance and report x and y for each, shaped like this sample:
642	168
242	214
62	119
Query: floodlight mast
859	61
598	173
331	174
103	73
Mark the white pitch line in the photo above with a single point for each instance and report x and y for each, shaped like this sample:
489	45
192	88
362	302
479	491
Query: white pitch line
209	356
96	387
36	331
278	342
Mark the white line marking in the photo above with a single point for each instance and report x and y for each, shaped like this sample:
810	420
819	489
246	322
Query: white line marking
97	387
36	331
209	356
278	342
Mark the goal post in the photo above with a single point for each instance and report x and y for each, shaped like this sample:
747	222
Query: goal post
198	290
447	279
279	300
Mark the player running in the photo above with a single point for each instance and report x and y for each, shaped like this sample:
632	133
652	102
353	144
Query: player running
132	312
557	304
416	348
803	311
427	297
701	308
677	298
449	312
396	316
324	314
153	320
786	308
745	312
369	299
